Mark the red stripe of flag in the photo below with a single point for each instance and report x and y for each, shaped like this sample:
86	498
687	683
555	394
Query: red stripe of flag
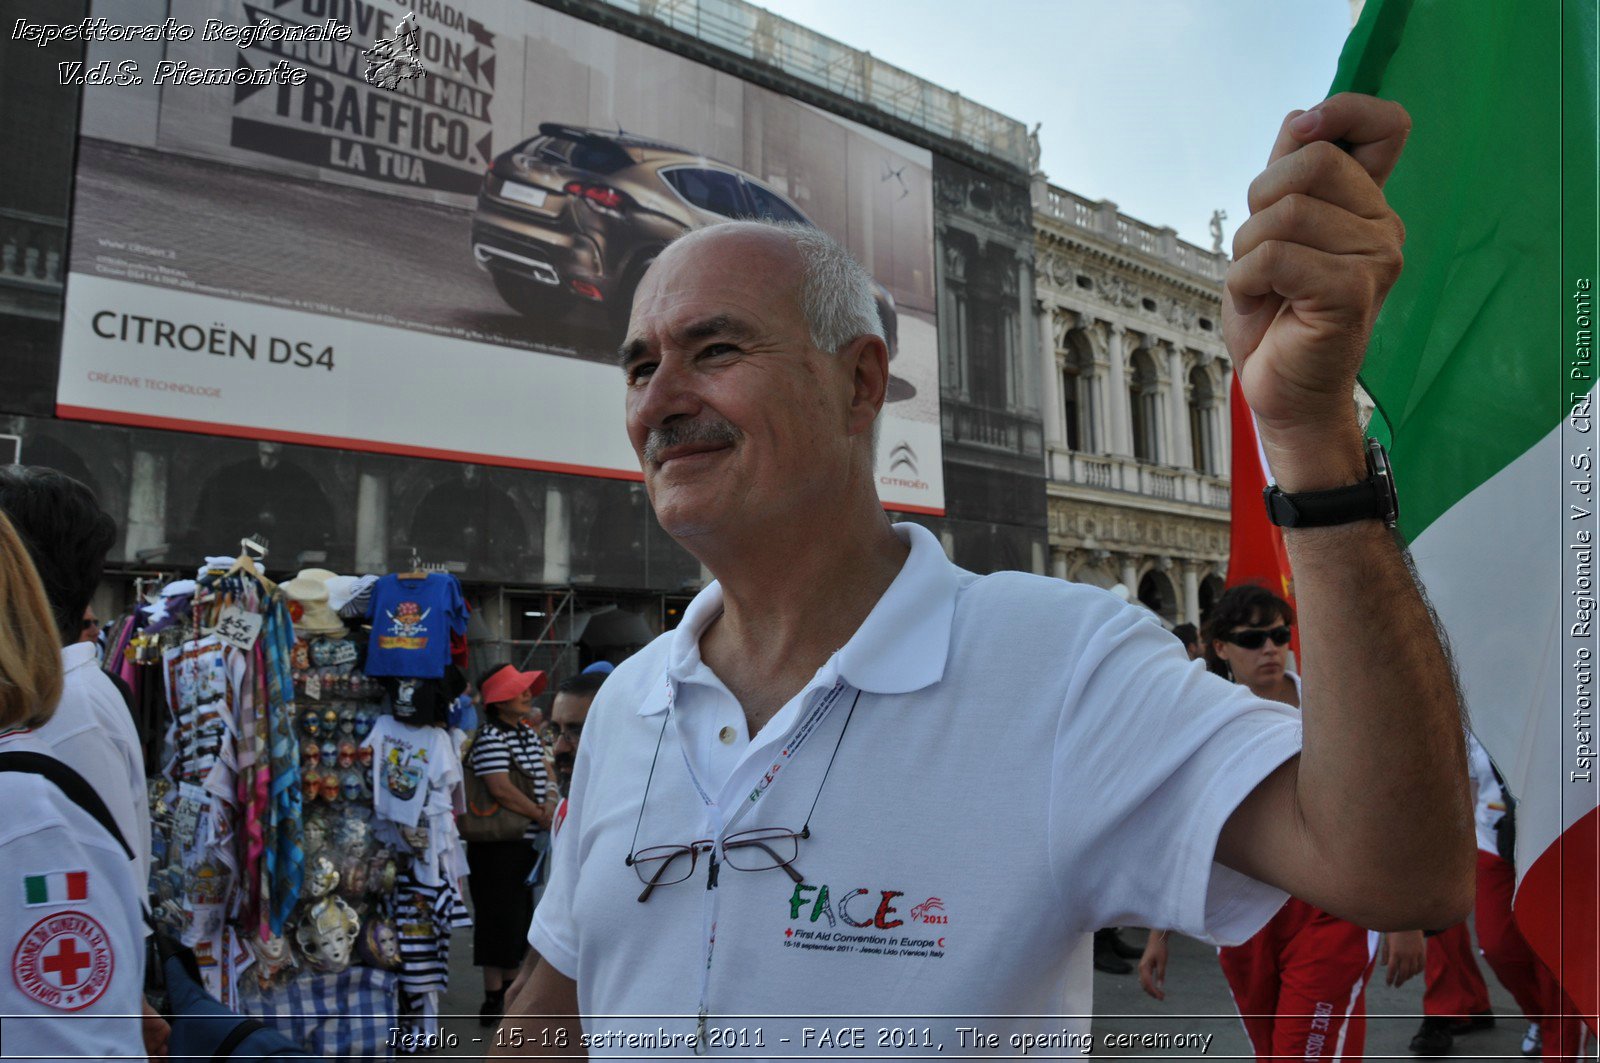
1256	552
77	885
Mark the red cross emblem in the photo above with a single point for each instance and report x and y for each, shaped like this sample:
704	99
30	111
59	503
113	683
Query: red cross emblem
65	961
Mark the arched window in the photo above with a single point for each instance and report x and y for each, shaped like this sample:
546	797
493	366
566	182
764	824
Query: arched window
1144	402
1158	595
1203	422
1077	393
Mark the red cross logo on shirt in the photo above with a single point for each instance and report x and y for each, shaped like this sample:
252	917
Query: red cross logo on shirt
67	962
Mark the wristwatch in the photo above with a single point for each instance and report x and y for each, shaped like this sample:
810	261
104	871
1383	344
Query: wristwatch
1372	499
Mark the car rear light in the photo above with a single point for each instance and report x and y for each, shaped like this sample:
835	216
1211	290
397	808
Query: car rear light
587	290
601	196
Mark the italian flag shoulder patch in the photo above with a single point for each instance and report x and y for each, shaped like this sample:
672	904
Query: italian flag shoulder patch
55	887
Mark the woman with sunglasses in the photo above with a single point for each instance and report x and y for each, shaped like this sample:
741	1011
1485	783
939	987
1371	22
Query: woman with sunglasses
1300	983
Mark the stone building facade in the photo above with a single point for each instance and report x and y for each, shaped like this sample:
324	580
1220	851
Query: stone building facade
1135	403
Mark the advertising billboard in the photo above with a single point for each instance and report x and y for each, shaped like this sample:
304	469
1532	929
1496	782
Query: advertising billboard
417	229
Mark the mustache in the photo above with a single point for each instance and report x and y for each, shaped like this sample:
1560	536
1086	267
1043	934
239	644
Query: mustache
709	430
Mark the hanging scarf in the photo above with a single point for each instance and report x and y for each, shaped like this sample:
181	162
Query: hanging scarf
285	860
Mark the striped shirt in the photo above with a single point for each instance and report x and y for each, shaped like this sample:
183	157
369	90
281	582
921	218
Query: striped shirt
496	748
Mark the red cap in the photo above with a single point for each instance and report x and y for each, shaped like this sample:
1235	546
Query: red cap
507	683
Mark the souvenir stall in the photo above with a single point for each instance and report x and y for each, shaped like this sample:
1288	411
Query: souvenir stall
304	841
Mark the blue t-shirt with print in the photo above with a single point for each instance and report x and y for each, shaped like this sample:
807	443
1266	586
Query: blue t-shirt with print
412	620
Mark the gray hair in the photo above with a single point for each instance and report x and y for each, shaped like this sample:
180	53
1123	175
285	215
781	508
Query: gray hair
837	295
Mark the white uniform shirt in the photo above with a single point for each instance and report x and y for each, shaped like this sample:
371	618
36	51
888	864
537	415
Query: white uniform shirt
92	733
70	926
1029	760
1491	803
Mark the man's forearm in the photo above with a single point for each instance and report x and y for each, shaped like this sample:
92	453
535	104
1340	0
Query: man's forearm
541	1018
1382	788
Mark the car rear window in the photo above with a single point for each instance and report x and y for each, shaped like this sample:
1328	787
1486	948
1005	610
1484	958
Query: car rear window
711	190
594	155
771	207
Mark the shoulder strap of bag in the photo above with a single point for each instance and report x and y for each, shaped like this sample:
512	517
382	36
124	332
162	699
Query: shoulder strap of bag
68	782
236	1037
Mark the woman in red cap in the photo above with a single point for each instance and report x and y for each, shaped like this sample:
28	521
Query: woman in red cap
510	761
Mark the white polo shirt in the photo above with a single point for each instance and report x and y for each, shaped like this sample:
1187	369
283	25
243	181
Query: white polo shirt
1028	760
71	926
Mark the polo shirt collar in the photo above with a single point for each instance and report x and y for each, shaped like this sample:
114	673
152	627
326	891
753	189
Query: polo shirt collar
902	645
79	654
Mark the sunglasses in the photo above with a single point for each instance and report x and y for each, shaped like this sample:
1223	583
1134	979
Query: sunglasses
1255	638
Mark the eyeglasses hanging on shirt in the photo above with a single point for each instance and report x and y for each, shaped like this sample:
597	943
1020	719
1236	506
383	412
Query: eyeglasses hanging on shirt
757	849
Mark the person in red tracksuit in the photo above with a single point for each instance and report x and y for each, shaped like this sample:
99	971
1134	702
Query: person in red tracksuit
1531	982
1300	982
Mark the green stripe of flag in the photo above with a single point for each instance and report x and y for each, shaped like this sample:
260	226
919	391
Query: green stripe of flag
1466	360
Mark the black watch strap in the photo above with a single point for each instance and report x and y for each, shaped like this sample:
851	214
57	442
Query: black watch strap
1372	499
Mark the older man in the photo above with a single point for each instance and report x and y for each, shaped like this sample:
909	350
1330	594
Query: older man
772	808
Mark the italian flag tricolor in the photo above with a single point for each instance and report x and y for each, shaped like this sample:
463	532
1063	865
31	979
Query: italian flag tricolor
1482	368
58	887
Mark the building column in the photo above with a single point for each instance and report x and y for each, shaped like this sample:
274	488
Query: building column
1130	577
1182	450
147	505
1225	427
1059	562
1191	593
557	538
1119	429
1055	427
372	523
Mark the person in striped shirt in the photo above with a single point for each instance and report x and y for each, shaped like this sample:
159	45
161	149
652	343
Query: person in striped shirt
502	897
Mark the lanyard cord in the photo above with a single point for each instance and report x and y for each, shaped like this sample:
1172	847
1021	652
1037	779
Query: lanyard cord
805	828
633	847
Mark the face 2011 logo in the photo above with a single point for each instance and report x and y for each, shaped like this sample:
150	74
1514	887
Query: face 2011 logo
851	908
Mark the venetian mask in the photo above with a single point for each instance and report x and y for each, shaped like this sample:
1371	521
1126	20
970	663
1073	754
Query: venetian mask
321	877
311	722
310	754
416	837
330	754
330	787
272	957
351	833
311	784
347	721
351	786
353	877
315	833
327	934
381	874
379	945
347	754
364	719
330	722
364	756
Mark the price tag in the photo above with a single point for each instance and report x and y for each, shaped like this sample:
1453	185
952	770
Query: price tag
239	628
314	686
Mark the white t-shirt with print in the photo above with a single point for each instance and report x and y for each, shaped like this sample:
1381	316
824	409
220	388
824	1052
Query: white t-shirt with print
71	925
408	762
1028	760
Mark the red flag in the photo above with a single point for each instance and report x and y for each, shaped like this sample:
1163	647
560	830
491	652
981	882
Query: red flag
1255	547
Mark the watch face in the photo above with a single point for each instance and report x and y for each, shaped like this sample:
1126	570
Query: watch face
1378	465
